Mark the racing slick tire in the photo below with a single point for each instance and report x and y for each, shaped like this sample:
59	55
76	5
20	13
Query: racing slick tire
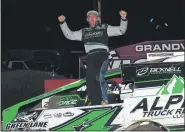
146	126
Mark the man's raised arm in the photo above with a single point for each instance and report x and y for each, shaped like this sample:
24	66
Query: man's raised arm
118	30
71	35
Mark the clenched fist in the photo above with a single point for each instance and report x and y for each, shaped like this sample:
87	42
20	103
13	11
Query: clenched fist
61	18
123	14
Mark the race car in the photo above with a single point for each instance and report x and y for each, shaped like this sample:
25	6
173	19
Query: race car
150	97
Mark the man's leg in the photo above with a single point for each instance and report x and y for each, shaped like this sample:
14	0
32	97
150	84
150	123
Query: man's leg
103	83
89	77
92	82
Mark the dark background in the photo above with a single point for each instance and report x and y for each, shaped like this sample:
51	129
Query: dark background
33	24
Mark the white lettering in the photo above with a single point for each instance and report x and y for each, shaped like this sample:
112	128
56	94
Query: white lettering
156	47
175	47
70	102
163	70
147	47
166	46
12	126
139	47
160	47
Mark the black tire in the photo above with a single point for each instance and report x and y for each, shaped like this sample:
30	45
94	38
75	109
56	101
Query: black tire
150	126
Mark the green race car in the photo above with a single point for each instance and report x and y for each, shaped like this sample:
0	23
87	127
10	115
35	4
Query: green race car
150	97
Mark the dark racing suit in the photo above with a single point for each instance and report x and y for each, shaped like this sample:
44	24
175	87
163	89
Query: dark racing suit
96	46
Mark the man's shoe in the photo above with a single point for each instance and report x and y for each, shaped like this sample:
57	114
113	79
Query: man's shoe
104	102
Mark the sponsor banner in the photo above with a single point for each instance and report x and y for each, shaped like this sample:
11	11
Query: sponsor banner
150	73
158	69
160	55
25	126
44	120
135	53
57	117
27	121
160	46
63	101
68	101
161	107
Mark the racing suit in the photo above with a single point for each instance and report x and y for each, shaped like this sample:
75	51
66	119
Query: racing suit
95	40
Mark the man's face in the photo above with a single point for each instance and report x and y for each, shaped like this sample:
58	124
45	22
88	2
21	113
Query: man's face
92	19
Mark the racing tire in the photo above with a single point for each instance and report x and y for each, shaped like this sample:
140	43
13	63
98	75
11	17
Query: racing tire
146	126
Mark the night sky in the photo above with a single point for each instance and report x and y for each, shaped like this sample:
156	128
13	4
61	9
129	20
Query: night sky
33	24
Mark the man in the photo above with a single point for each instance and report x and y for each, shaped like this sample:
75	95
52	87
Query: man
95	38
